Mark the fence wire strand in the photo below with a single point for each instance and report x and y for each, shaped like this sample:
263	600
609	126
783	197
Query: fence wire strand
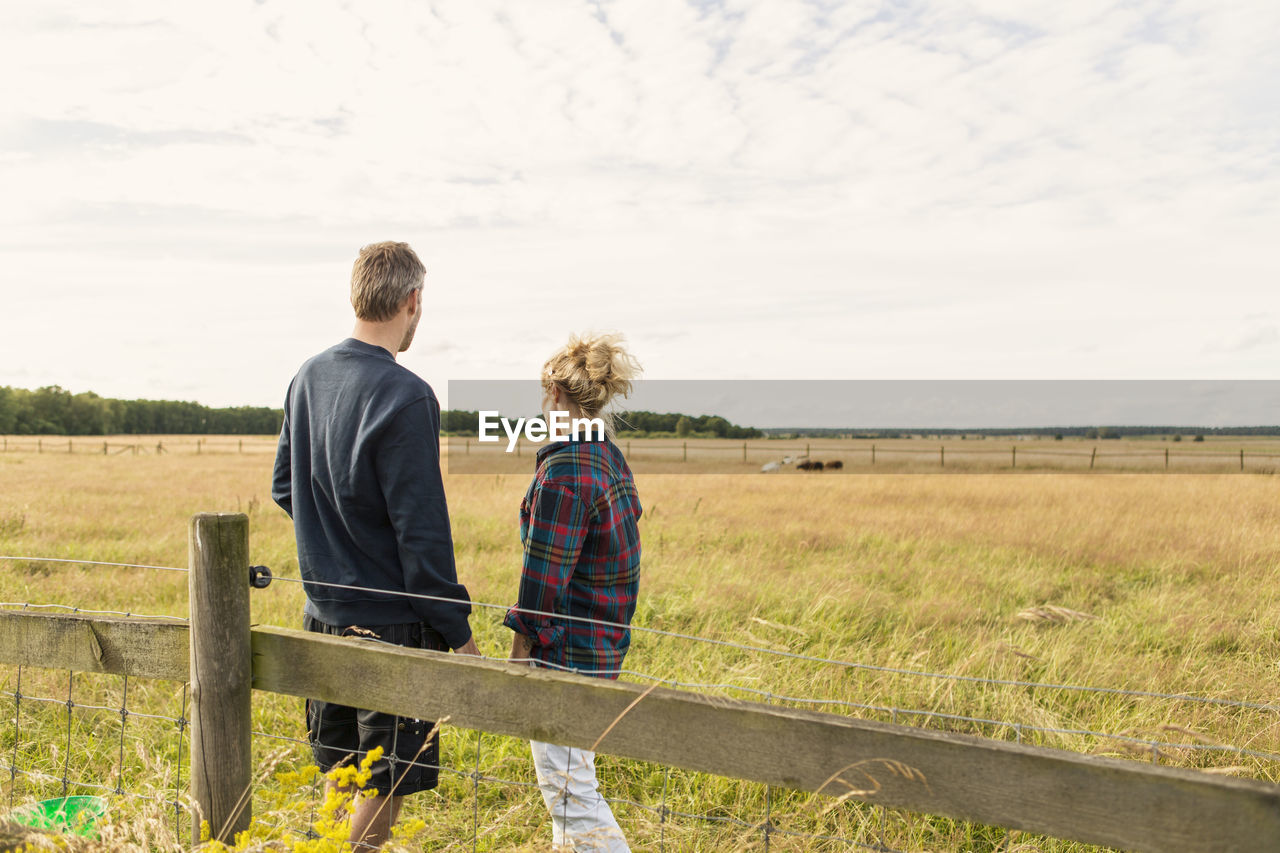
93	563
767	828
968	679
743	647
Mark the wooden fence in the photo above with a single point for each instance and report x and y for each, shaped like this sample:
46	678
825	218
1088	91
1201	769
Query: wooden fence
739	456
1114	802
136	445
915	455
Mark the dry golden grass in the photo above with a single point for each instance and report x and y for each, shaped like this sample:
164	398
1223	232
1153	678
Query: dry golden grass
929	573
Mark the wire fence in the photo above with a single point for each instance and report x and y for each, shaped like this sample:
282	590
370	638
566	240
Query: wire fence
751	455
137	445
40	766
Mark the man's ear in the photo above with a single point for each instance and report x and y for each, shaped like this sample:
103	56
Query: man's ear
414	301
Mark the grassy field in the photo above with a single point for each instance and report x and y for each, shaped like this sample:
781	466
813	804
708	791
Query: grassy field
928	573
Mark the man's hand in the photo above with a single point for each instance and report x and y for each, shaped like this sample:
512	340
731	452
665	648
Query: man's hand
520	648
468	648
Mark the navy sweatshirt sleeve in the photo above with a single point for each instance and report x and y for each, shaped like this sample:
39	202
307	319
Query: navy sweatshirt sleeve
282	476
408	466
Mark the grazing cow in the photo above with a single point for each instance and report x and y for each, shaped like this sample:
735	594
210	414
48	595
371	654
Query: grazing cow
809	465
769	467
835	465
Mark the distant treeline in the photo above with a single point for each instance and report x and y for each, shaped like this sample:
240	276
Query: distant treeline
627	424
705	426
56	411
1090	432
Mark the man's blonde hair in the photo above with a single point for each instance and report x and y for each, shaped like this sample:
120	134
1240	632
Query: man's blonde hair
383	276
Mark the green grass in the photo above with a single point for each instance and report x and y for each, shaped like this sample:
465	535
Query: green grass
925	573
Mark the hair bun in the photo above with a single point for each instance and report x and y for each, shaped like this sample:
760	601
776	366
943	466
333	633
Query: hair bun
593	369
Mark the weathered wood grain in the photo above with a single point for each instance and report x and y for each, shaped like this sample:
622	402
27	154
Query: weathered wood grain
221	672
1106	801
134	647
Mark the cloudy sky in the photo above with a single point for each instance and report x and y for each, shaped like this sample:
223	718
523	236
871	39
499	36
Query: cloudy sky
748	189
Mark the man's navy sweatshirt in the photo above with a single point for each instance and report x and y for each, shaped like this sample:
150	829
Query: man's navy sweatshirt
358	470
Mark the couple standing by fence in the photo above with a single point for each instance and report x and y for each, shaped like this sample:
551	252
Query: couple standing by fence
358	470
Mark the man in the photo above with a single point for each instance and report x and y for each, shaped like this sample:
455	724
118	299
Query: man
358	470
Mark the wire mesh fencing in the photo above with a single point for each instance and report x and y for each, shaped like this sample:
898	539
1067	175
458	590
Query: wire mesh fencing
74	732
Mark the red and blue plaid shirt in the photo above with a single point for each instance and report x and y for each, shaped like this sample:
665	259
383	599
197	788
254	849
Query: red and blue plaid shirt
581	558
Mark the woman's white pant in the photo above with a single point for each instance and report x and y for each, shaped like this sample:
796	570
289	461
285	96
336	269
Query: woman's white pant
580	817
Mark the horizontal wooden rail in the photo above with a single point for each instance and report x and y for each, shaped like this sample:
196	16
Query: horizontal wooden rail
141	648
1119	803
1106	801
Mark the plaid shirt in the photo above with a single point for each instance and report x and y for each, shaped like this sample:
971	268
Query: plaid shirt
581	557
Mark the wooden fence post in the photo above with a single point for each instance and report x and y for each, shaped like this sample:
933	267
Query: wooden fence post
104	448
39	445
744	451
873	454
1242	459
467	445
1166	459
221	674
1092	457
69	450
241	450
1014	450
806	448
942	456
685	445
628	449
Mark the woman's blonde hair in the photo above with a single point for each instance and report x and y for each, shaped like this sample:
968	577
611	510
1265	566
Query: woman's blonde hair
592	370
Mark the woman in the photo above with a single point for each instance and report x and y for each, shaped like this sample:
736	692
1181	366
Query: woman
581	559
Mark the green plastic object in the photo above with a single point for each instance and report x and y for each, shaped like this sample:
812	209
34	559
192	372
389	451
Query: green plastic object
75	815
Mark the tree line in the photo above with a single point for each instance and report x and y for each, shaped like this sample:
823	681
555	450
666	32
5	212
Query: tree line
638	424
55	411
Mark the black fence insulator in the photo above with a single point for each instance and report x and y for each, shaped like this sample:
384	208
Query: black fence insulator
259	577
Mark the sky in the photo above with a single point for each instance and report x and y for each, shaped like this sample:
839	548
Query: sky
748	189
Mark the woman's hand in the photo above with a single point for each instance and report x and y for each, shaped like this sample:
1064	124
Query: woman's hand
520	648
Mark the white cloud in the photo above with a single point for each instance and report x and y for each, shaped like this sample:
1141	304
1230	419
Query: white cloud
983	188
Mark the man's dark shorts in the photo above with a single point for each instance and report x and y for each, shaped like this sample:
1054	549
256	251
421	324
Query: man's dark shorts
342	735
